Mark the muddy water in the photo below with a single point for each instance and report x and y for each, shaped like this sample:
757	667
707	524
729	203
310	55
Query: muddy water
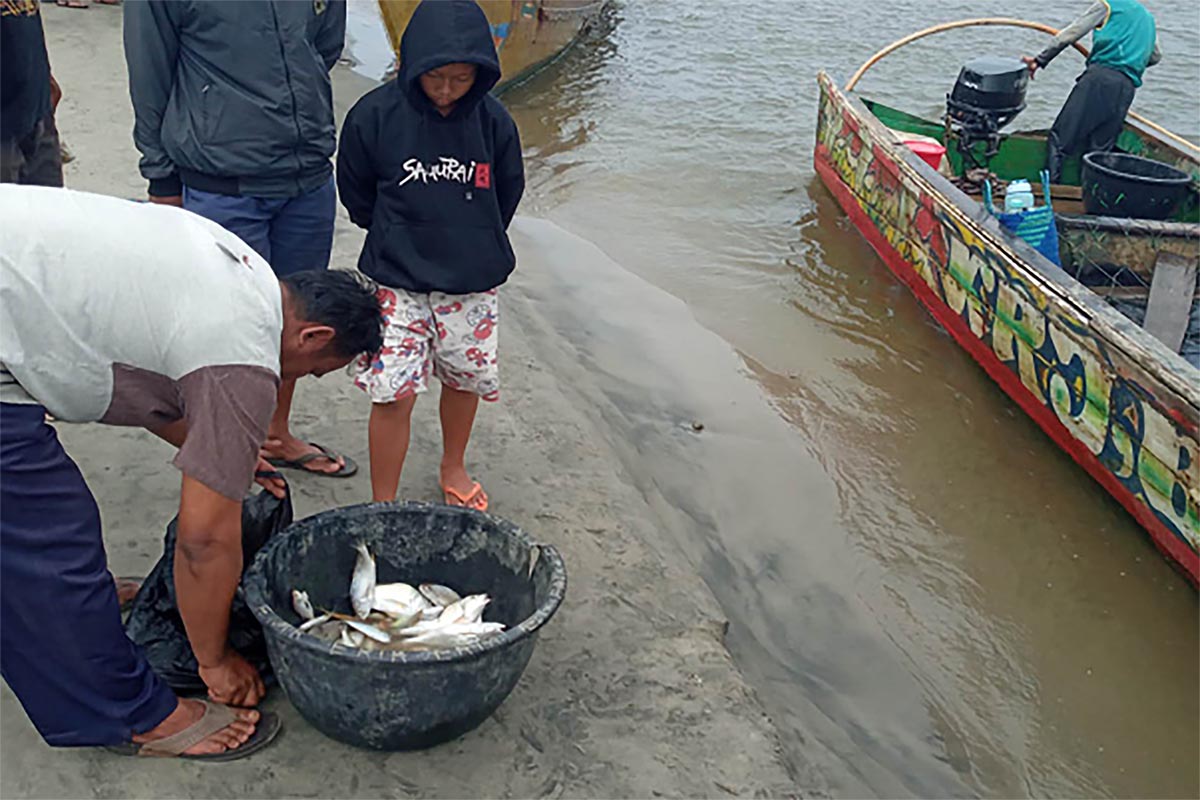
930	598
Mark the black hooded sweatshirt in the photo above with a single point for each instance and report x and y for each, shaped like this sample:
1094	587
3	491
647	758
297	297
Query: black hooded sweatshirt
436	194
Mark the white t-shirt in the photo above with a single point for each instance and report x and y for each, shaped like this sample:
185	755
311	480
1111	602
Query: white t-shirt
139	314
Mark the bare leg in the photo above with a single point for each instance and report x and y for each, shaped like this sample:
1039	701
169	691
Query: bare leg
388	434
282	444
458	417
188	712
283	409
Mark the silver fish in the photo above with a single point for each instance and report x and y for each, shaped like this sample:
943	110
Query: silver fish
452	614
439	595
397	622
369	630
535	553
431	612
314	622
454	635
301	604
424	626
469	609
362	582
473	607
398	599
400	593
351	638
438	640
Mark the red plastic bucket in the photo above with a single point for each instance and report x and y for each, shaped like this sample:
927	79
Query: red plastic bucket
930	152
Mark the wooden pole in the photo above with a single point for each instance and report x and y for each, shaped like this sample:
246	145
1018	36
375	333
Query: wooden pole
1012	23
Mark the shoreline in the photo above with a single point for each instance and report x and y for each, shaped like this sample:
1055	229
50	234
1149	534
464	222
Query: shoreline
631	691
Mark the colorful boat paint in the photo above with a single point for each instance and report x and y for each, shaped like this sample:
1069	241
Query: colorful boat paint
1123	405
529	34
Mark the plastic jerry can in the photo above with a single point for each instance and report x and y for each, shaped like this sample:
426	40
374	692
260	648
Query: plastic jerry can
1018	197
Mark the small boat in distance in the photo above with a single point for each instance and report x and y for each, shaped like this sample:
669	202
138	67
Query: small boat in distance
529	34
1098	339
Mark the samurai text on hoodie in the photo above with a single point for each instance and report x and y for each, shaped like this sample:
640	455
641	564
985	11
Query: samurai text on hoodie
435	193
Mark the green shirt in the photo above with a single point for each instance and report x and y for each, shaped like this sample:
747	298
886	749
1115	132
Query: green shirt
1124	38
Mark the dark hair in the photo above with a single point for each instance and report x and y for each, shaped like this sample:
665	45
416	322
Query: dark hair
343	300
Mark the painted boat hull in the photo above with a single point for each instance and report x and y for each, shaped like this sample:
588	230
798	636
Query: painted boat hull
1122	405
528	34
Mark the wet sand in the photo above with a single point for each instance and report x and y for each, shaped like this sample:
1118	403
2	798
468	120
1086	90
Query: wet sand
631	691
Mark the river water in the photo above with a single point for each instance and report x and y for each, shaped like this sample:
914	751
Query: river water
934	601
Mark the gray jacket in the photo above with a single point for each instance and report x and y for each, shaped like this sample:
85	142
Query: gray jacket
234	96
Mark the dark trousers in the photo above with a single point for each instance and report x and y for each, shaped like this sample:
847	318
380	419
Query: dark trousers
63	651
292	233
35	158
1091	119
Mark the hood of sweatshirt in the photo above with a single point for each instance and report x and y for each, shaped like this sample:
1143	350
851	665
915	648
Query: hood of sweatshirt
448	32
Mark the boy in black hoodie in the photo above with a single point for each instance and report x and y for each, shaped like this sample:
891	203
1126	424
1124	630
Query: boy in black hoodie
430	164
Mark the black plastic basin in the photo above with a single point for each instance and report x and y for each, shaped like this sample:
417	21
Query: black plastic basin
403	700
1121	185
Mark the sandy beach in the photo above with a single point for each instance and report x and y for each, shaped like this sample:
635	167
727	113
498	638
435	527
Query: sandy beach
813	549
631	691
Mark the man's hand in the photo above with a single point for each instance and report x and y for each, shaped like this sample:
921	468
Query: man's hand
1032	64
233	681
275	484
208	566
172	200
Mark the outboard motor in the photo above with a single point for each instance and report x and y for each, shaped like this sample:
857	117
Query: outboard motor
988	95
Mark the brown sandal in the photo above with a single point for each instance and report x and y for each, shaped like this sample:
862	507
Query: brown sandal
216	717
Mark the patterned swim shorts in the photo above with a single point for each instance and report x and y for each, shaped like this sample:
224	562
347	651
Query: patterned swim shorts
453	335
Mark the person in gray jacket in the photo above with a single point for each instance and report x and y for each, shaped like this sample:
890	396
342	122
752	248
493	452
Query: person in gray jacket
233	109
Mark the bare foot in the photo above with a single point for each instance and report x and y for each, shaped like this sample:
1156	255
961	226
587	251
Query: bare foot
187	713
290	448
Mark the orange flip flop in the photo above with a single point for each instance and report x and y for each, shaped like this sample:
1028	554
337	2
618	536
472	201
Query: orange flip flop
476	498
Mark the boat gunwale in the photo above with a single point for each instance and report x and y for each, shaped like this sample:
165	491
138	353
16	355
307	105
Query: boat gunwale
1124	225
507	84
1169	368
1192	153
586	10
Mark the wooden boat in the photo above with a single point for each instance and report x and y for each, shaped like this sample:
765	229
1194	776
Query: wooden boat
529	34
1064	342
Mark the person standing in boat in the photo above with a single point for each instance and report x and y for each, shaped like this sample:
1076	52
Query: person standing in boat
1124	44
